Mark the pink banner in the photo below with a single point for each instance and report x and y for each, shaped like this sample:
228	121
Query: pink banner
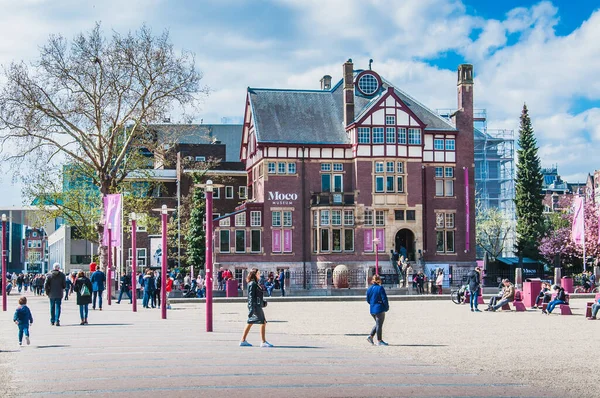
598	226
276	241
113	207
287	240
380	234
467	211
368	240
578	229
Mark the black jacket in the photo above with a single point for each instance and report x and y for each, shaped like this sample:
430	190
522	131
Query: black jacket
55	284
79	283
561	295
473	281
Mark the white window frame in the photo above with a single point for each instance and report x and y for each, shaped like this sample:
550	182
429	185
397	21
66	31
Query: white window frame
390	120
236	240
200	159
216	193
401	131
336	217
450	144
378	135
276	219
364	135
255	218
348	217
414	136
326	167
286	218
325	214
244	190
291	168
240	219
281	168
338	167
379	218
271	168
368	217
438	144
229	192
225	222
221	233
390	135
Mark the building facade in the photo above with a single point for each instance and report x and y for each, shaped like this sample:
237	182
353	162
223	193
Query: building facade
345	174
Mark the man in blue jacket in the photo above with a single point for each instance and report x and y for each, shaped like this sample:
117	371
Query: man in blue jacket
98	280
379	305
282	282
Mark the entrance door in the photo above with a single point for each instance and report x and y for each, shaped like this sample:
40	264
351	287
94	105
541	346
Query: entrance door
405	241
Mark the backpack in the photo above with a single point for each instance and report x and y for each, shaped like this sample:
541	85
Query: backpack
84	291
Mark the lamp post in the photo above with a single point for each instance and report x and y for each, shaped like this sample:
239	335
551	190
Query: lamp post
3	262
163	274
109	266
208	188
376	243
133	261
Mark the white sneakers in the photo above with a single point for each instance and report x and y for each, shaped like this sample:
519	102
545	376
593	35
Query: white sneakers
266	344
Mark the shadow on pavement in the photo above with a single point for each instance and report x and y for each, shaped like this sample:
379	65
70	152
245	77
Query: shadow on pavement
419	345
53	346
296	346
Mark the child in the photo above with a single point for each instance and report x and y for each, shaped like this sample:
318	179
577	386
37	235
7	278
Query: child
23	318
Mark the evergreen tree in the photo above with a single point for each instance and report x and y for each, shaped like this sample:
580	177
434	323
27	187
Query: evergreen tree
529	196
196	245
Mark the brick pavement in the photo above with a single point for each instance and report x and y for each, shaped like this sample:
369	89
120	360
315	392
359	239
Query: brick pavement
133	355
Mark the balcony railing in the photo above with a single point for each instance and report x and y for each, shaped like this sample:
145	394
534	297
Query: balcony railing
332	199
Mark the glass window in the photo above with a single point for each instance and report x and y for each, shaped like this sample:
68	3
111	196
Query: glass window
271	167
450	145
400	168
377	135
325	182
337	183
240	219
325	166
224	241
414	136
390	120
324	240
242	192
439	187
438	144
379	217
401	135
336	240
336	217
255	246
338	167
240	241
315	218
368	217
449	186
368	84
229	192
378	167
280	168
287	218
389	184
399	215
439	172
390	135
400	183
324	217
389	166
439	241
411	215
217	193
364	135
348	217
450	241
349	240
276	217
291	168
255	218
378	183
224	222
449	220
449	172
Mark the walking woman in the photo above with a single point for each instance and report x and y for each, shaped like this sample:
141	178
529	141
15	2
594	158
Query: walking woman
255	309
83	288
379	305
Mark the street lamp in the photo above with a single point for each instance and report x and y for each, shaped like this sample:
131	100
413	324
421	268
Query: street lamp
208	188
163	275
376	243
132	216
109	266
4	252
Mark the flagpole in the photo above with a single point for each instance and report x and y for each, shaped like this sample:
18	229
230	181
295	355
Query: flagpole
583	209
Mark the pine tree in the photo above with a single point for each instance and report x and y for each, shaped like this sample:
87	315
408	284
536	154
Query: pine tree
196	245
529	196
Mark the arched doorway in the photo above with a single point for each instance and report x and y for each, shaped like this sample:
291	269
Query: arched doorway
406	238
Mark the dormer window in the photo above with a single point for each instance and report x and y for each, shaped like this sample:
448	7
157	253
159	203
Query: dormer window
368	83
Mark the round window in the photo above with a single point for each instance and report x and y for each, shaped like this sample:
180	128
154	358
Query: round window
368	84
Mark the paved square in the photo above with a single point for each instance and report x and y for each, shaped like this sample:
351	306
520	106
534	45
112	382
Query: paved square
436	349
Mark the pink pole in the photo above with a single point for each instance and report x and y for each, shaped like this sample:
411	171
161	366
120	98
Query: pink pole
109	267
133	265
209	261
163	282
376	259
467	211
4	252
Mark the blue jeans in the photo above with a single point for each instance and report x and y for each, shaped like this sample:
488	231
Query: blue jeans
473	299
282	288
83	311
23	329
55	309
121	295
99	295
146	299
553	304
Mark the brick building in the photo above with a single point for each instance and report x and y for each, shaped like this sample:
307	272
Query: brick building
332	171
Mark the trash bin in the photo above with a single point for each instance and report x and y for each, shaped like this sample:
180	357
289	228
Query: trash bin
531	289
567	283
232	288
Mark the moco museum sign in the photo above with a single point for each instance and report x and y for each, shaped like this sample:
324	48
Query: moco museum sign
279	198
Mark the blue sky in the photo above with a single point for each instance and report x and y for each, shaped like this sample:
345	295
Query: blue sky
546	54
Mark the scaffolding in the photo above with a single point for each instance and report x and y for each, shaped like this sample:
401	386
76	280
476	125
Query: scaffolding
494	170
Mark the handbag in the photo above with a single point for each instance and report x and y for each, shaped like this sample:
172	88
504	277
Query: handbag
85	291
264	304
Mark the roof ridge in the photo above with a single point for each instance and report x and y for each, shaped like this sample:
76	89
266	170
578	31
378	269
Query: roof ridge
290	90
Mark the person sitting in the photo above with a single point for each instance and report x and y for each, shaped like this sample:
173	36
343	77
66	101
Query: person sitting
494	300
561	298
270	285
542	295
585	281
507	296
595	308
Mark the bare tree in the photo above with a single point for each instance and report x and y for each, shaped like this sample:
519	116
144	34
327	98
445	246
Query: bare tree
88	102
492	231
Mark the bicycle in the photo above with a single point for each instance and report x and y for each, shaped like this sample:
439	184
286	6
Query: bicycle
458	295
583	289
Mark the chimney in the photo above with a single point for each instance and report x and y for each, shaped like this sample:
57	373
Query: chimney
326	82
465	88
348	92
